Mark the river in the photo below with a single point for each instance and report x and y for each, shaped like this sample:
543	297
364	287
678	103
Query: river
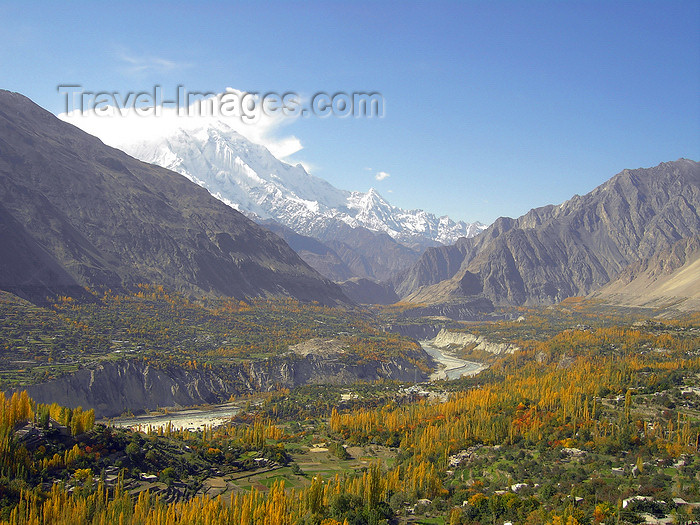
192	419
450	367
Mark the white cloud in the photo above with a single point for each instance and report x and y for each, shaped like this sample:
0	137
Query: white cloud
133	64
381	175
118	123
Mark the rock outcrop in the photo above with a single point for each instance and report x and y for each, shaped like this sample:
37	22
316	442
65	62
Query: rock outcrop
476	308
447	339
669	279
112	388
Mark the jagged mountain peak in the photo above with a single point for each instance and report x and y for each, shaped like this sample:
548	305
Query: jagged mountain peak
233	168
374	195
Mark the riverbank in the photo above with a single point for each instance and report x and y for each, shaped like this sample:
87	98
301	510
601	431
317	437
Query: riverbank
190	419
450	367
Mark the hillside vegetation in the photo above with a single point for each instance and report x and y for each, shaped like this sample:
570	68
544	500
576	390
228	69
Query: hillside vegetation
167	328
585	417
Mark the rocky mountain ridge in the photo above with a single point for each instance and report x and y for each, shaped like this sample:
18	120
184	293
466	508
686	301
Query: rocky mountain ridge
77	213
571	249
363	233
343	252
250	178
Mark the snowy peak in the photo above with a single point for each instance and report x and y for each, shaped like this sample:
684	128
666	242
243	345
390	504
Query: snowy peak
239	172
373	197
375	213
371	207
249	178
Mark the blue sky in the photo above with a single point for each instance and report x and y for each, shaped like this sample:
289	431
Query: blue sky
492	108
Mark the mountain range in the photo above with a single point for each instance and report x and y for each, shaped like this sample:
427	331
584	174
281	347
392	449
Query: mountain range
250	178
75	212
346	252
370	237
572	249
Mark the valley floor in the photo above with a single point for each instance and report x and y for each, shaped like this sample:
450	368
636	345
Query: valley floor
595	419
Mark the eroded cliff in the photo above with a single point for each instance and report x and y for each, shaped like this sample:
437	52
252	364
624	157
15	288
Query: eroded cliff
115	387
447	339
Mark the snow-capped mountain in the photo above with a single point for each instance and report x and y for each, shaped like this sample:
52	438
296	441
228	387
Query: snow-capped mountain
375	213
249	178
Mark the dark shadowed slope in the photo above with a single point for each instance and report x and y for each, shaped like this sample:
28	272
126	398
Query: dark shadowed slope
74	212
316	254
366	291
